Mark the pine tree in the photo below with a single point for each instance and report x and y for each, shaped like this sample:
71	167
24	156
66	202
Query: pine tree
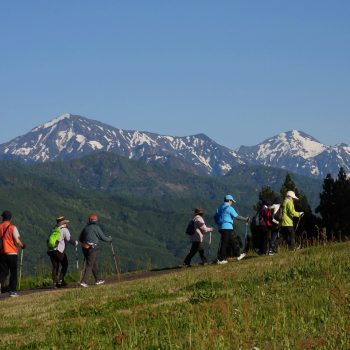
334	205
327	207
267	194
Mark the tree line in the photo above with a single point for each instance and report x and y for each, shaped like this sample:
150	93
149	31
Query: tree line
331	220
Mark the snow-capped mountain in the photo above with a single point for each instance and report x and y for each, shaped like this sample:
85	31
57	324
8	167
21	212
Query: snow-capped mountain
300	153
72	136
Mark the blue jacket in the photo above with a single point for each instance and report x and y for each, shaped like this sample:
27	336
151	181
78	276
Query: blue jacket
228	214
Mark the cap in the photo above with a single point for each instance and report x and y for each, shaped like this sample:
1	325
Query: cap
93	217
61	220
6	215
229	197
199	211
292	195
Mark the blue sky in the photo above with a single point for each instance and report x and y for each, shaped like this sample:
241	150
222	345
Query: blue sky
238	71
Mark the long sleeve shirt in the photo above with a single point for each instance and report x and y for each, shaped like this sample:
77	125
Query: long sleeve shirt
200	229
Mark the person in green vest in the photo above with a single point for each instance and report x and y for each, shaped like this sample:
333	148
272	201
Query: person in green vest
289	213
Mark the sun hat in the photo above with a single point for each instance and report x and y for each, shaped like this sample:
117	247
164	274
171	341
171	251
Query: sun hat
61	220
292	195
199	211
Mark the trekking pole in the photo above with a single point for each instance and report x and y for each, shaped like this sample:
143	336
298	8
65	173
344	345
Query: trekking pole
209	249
295	230
76	257
296	227
20	270
115	262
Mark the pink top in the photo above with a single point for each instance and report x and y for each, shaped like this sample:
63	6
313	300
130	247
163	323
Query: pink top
200	229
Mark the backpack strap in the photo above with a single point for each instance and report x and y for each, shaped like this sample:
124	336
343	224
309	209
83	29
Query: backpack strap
3	235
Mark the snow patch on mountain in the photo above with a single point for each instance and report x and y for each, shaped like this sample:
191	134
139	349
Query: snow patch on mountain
52	122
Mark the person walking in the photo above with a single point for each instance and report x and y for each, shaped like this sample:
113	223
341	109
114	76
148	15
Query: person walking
288	214
276	210
89	238
197	237
225	217
57	253
265	226
8	256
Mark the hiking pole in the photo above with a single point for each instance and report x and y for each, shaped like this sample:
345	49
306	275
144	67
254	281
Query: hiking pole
20	270
209	249
115	262
296	227
76	257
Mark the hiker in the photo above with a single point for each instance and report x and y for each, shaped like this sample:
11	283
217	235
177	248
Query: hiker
287	229
276	210
224	218
8	256
197	237
265	225
89	238
57	253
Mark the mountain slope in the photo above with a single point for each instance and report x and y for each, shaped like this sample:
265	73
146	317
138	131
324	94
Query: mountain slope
70	136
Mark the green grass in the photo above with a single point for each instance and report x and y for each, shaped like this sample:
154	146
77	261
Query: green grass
298	300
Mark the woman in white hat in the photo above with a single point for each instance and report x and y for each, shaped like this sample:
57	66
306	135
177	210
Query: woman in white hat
289	213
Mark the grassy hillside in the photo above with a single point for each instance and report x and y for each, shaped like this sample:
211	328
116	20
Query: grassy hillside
294	300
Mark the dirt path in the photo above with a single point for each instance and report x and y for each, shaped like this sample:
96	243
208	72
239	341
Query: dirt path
124	277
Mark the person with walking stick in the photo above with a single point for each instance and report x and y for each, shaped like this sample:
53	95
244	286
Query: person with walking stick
196	237
8	255
89	238
287	229
56	244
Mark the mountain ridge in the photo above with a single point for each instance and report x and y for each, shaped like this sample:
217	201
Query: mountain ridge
71	136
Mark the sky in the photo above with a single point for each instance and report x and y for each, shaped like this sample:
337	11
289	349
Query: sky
238	71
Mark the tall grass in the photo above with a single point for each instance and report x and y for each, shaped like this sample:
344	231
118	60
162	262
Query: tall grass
296	300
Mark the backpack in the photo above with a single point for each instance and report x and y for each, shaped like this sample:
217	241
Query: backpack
191	228
278	215
218	216
54	237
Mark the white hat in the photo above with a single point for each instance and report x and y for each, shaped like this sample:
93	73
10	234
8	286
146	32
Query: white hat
292	195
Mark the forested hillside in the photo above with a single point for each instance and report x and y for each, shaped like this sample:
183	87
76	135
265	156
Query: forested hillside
144	207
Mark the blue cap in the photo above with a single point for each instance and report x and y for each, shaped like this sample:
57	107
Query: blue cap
229	197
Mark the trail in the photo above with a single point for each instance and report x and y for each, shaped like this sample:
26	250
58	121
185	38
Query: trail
125	277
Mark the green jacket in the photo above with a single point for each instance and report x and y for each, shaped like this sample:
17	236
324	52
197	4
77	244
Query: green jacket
288	212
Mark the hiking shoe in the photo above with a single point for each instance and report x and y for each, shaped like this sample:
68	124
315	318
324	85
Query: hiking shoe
271	253
186	265
100	282
241	256
62	284
222	262
83	284
13	294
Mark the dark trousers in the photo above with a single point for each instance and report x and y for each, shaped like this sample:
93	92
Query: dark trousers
273	241
230	241
288	235
196	247
265	236
8	264
90	256
57	258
